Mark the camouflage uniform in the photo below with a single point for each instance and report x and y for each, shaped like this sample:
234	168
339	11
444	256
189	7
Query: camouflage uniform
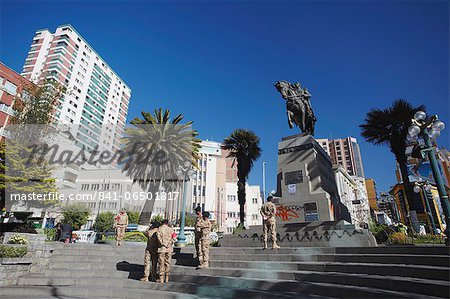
120	223
203	257
151	255
165	250
197	234
268	211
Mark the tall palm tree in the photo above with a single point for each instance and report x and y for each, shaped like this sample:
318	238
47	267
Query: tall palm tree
389	127
158	150
244	148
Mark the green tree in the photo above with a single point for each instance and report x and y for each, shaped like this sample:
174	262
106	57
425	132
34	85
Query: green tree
157	218
243	147
133	217
104	221
157	148
76	214
18	173
389	127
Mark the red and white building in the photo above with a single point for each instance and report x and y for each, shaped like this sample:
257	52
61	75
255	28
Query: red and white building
97	99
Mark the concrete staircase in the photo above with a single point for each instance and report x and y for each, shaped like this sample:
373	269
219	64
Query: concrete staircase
104	271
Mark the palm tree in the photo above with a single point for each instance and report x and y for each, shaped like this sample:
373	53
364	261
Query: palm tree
389	127
244	148
157	150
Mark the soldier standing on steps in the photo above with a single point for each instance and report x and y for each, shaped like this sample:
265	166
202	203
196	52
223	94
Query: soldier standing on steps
198	231
120	223
268	211
151	253
165	237
205	227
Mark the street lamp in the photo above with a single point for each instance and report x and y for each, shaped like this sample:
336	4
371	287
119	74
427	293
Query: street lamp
188	173
424	187
427	129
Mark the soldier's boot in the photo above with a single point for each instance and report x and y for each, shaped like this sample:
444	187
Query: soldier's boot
265	244
159	278
145	279
275	245
206	265
167	278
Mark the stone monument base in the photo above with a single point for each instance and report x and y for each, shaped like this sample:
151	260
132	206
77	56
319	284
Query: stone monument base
306	234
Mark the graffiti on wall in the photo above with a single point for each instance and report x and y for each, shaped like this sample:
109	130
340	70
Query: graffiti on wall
286	213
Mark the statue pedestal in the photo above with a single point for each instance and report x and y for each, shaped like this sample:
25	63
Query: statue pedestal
309	211
306	185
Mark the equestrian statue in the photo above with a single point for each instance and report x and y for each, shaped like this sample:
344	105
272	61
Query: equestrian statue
298	106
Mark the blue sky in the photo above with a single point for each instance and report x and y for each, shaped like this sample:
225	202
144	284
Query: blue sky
216	62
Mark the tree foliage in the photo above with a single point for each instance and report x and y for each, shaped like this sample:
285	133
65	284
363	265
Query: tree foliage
389	127
133	217
20	174
158	147
76	214
104	221
243	147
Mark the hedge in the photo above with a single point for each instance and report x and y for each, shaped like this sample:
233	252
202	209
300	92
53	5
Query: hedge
12	251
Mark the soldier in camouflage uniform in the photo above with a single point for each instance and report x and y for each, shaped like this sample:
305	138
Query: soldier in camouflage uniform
120	223
205	240
151	253
268	211
198	231
166	240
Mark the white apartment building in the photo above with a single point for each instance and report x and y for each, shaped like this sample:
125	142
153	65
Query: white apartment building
96	101
353	194
252	206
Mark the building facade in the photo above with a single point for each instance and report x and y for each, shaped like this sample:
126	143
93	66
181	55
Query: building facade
252	207
12	88
96	100
371	188
353	194
344	152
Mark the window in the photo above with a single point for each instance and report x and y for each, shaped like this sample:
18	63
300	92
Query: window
254	200
231	197
85	187
95	186
11	87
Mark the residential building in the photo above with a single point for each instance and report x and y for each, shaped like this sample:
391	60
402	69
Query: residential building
96	101
252	206
353	194
12	88
346	153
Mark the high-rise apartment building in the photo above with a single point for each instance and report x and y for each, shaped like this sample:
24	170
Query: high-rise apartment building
344	152
372	193
96	100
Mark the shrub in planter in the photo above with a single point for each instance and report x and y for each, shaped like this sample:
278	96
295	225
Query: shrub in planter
398	238
18	239
12	251
135	237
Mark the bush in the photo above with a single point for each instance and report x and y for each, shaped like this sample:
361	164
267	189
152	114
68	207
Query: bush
76	215
104	221
12	251
24	229
18	239
157	218
135	237
50	233
133	217
398	238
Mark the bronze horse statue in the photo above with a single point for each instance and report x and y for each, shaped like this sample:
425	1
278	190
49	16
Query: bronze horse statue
298	106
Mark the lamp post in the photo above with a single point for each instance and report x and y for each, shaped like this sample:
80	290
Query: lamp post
425	186
427	129
181	239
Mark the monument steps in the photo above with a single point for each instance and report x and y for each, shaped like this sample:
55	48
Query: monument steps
105	271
